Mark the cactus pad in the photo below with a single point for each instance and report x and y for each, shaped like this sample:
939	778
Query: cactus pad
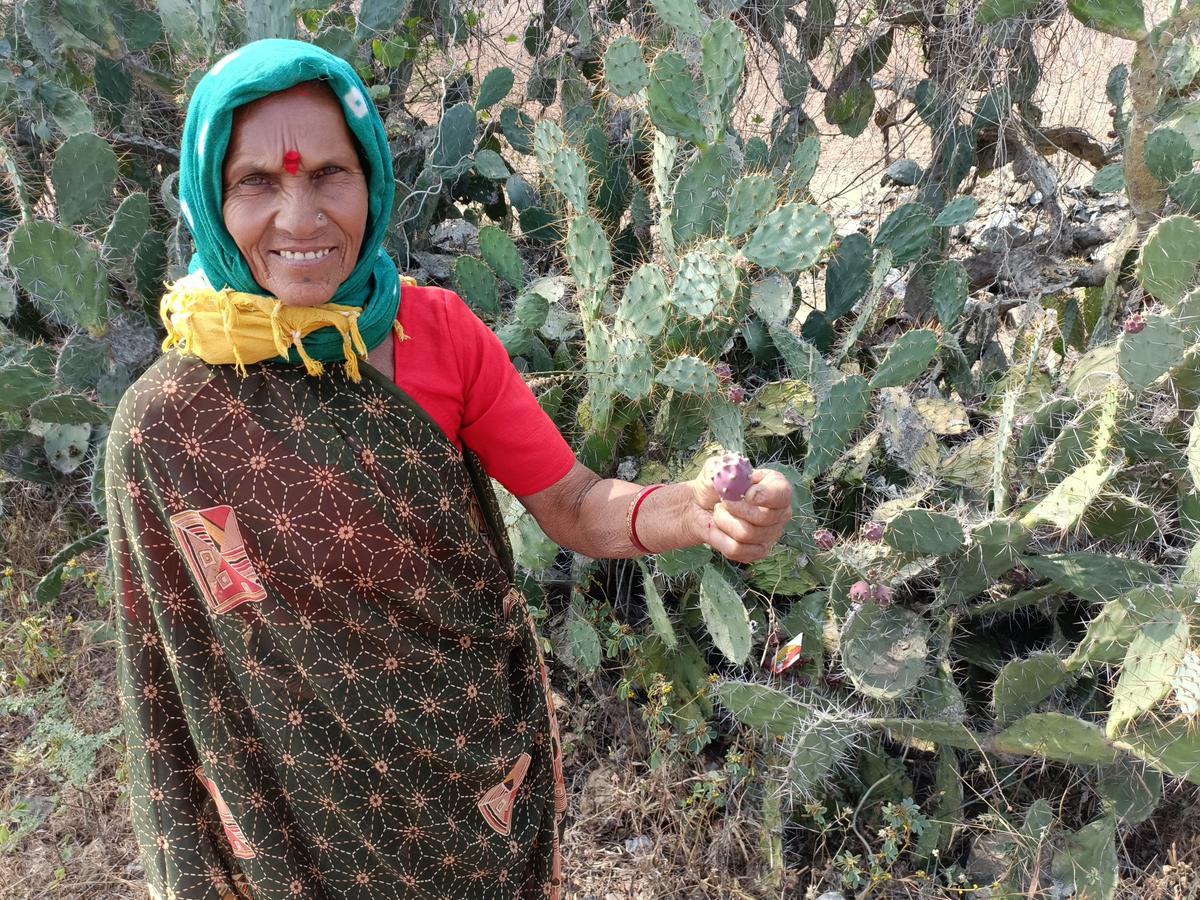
499	251
1024	683
951	288
634	367
697	284
85	169
477	285
65	445
772	299
674	97
569	176
790	238
1168	154
906	359
1186	684
589	255
1151	662
838	416
688	375
644	305
761	707
61	272
749	201
884	651
725	615
682	15
1149	352
128	227
1167	264
723	61
848	276
625	70
907	231
922	532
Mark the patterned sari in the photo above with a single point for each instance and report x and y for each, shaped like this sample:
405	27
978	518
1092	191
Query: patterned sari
331	688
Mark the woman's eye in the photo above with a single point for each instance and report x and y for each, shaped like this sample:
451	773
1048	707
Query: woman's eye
254	181
329	170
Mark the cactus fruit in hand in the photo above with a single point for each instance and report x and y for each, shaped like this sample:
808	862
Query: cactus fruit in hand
873	531
1135	323
731	477
824	538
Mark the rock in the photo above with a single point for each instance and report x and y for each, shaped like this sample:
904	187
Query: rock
455	236
438	266
638	844
831	895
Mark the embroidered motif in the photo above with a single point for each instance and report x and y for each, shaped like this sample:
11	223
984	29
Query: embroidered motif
212	544
497	804
233	831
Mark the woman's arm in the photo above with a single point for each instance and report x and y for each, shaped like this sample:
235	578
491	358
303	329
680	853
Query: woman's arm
589	514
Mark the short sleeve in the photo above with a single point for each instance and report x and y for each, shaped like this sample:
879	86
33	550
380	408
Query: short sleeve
518	444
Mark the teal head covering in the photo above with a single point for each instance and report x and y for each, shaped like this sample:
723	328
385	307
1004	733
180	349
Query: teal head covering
241	77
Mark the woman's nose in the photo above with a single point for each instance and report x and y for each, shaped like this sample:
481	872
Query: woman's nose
298	211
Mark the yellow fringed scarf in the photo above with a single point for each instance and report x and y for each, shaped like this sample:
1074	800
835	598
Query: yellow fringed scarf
227	327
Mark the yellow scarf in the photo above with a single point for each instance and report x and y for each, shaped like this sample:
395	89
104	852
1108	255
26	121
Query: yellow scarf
228	327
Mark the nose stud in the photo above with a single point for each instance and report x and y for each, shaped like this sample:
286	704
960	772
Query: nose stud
320	217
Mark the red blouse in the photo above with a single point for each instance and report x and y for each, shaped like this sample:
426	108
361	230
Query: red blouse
457	370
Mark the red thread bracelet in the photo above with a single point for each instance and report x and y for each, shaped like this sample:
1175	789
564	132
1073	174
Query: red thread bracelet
633	514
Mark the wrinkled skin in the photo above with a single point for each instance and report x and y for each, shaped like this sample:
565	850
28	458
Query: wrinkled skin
321	208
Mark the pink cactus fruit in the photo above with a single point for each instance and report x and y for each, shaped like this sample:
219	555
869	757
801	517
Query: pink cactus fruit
1135	323
882	594
873	531
860	592
824	538
731	477
724	371
737	395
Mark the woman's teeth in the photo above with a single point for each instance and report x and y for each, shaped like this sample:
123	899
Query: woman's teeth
311	254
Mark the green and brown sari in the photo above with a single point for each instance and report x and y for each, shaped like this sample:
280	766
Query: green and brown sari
331	688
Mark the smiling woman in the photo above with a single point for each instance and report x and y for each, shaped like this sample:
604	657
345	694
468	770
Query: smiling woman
297	219
331	687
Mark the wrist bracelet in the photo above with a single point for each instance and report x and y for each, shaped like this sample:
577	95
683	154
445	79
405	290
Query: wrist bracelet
631	516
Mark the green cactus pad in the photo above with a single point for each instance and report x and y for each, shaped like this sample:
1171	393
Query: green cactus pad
589	255
930	731
569	176
751	198
1120	18
625	70
1186	192
838	416
790	238
645	303
1131	789
816	751
128	227
1168	154
496	85
700	195
1060	737
663	152
65	445
674	98
477	285
499	251
1066	503
1186	684
656	608
1146	356
688	375
1122	518
491	166
944	417
725	615
772	299
455	140
761	707
61	272
68	409
85	169
803	359
803	165
517	127
922	532
723	61
848	276
958	211
548	138
1167	264
697	284
951	288
906	359
1149	669
634	367
884	651
1088	864
1024	683
1174	748
907	231
21	385
682	15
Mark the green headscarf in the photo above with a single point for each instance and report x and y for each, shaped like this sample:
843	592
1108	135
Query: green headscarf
243	76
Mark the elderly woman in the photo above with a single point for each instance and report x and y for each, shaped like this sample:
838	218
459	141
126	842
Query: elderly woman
331	687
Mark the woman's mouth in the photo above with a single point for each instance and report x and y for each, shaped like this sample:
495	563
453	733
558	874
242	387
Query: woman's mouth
304	255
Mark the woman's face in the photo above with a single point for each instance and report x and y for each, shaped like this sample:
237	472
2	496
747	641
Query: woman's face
298	223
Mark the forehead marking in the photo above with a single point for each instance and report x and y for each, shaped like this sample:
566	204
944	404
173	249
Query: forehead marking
291	161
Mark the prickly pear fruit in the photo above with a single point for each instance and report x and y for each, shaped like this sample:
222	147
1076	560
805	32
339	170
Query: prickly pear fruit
882	594
824	538
737	395
860	592
724	371
873	531
1135	323
731	477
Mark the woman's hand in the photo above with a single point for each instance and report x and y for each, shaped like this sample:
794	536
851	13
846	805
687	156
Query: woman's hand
745	530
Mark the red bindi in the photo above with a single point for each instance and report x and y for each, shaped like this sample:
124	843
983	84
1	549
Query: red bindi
291	161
